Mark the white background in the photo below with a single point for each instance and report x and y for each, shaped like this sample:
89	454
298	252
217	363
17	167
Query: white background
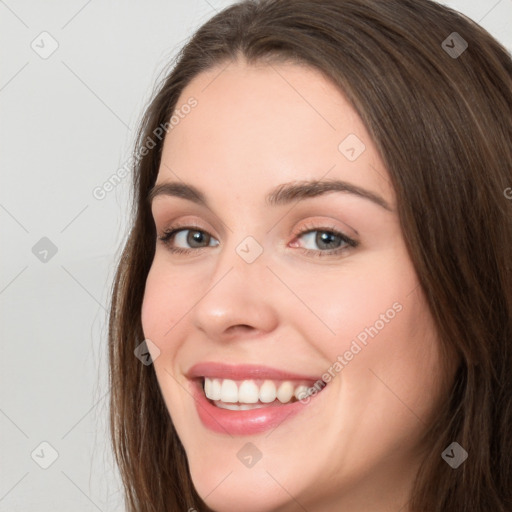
67	124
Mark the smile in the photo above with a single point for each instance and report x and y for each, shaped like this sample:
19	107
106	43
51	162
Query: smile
248	399
251	394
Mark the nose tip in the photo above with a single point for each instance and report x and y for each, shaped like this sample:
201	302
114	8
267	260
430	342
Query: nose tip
236	308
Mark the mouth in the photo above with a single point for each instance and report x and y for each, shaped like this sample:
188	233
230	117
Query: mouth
251	394
247	399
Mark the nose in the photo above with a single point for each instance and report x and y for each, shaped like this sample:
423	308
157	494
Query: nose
238	299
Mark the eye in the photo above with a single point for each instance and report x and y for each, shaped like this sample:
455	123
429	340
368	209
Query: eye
324	241
188	237
328	240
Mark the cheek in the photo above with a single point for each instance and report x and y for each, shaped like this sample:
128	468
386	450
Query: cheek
390	366
368	301
385	342
151	312
163	303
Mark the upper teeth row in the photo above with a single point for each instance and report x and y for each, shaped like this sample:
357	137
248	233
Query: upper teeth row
248	392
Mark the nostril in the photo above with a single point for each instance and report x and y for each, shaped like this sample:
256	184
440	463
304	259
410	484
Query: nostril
240	327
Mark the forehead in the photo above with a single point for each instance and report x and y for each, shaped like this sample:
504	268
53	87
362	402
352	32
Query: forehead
255	126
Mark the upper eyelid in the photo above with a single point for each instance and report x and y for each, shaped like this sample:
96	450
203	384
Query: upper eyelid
316	225
224	227
183	224
304	230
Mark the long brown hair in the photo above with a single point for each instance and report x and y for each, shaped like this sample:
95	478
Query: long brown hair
442	123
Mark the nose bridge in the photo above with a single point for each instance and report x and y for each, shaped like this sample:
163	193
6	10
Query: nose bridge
244	244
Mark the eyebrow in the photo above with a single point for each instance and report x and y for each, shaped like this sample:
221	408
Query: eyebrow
280	195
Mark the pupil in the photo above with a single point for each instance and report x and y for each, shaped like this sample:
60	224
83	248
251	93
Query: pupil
195	237
324	239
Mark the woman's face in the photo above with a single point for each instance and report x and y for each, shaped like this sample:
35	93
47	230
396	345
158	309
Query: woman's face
293	271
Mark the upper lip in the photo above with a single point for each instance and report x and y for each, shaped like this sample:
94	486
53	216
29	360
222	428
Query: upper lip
243	372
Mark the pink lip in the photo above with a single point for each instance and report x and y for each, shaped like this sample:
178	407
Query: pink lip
243	372
254	421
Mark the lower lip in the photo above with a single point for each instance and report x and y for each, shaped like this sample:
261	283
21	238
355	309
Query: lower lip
253	421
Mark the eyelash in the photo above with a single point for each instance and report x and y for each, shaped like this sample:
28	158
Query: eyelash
169	233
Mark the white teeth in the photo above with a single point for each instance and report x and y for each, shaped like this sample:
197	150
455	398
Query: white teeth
301	392
236	407
229	391
285	392
215	394
246	393
208	387
267	392
212	389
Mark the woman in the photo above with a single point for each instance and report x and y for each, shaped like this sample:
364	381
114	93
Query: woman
319	267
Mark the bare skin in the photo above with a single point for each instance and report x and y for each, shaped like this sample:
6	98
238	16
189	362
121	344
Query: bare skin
356	446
